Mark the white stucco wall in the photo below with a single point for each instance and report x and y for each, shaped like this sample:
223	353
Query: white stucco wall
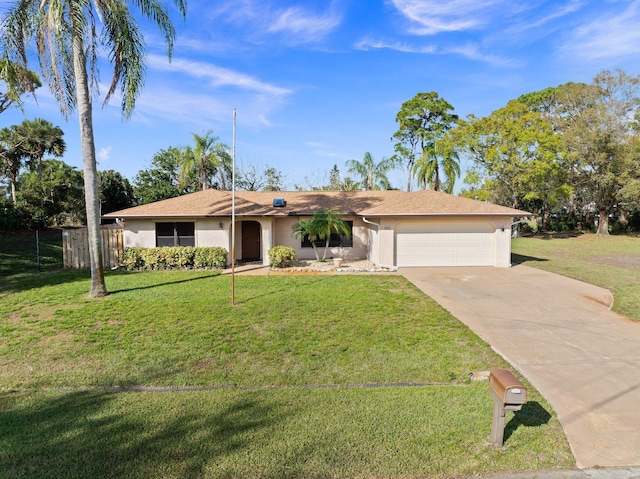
377	243
283	228
139	233
501	243
142	233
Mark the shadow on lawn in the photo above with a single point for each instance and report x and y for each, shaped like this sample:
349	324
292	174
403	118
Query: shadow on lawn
532	414
278	285
212	274
99	434
521	258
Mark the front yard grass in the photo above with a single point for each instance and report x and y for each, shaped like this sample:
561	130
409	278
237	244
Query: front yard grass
611	262
307	376
20	253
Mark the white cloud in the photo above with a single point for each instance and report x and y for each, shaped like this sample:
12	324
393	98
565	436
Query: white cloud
430	17
368	44
104	153
295	24
559	11
469	50
216	76
306	26
473	52
613	36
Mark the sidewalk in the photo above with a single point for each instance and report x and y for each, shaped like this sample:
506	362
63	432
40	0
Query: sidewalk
605	473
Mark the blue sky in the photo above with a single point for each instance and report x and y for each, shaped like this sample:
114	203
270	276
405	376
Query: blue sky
317	83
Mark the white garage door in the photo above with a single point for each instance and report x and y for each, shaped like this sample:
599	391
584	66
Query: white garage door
445	245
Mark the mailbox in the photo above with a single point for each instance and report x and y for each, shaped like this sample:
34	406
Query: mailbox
509	394
506	389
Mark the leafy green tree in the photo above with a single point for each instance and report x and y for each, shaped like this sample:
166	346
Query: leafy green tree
68	36
54	199
41	138
273	179
602	138
335	179
441	152
516	152
116	193
208	157
421	121
598	123
161	180
320	227
18	81
373	175
12	156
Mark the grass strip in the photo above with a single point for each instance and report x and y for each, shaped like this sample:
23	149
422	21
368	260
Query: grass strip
440	431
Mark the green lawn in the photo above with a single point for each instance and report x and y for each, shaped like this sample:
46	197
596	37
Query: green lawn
19	254
612	262
307	376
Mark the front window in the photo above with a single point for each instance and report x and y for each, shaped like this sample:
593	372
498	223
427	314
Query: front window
337	240
175	234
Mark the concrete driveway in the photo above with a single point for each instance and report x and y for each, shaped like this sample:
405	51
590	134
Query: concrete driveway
560	334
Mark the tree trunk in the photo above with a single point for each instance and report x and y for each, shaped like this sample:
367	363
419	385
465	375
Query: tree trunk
315	250
326	247
603	223
91	191
12	180
436	178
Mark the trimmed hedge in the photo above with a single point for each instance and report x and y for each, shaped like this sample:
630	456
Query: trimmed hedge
176	257
281	256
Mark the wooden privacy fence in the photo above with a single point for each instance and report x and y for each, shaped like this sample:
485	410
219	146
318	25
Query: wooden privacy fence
75	247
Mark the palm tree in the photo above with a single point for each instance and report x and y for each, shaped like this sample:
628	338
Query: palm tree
307	229
11	156
41	138
328	222
206	158
427	169
19	81
68	35
374	175
320	227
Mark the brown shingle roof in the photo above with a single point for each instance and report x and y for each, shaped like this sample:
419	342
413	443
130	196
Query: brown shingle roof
429	202
305	203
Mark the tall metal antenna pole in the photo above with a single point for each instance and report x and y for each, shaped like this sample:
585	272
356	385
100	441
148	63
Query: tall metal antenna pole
233	212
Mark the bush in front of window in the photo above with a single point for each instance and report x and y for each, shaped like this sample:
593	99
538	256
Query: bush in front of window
174	257
281	256
210	257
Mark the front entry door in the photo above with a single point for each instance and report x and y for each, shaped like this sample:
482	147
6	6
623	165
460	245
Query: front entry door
251	232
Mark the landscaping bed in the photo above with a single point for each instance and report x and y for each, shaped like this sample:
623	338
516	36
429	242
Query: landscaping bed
344	266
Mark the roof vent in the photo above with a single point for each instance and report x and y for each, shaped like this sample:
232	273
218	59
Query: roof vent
279	203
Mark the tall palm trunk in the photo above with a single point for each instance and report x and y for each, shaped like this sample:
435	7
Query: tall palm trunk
98	287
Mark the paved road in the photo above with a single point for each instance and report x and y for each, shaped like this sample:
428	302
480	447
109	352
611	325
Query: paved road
561	335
